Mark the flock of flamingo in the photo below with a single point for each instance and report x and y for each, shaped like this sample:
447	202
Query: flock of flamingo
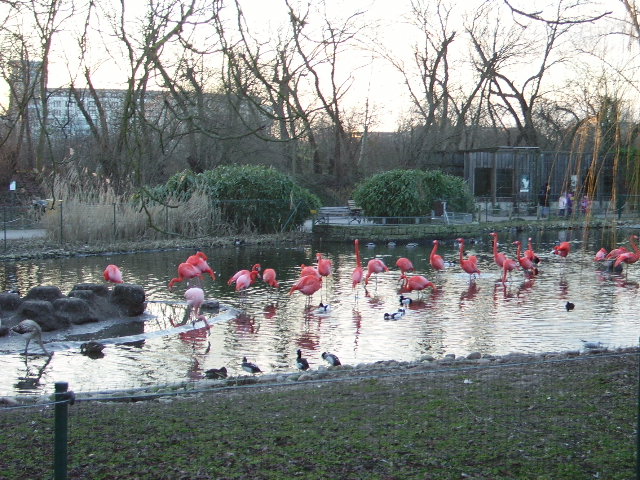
311	278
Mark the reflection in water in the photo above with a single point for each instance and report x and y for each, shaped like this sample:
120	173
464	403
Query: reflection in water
524	314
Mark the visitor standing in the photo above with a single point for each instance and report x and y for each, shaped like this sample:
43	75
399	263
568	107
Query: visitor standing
562	204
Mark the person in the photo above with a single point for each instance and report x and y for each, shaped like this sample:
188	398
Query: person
569	203
584	204
562	204
543	200
620	201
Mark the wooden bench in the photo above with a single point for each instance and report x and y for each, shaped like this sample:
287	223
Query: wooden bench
354	209
326	213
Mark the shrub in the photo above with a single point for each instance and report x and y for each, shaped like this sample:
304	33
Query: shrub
249	197
399	193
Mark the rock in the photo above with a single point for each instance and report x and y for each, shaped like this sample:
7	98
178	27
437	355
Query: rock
74	310
40	311
9	301
4	331
130	299
46	293
474	356
97	288
210	305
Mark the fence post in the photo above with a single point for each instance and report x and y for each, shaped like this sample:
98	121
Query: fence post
61	223
4	213
61	431
114	221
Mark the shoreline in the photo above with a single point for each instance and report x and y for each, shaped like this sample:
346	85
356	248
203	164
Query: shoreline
394	369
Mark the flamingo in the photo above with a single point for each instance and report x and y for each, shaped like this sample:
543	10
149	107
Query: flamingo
404	264
301	362
30	329
195	299
246	280
186	271
416	282
199	260
497	257
628	257
601	255
530	254
375	265
508	266
256	268
269	277
469	265
307	285
308	270
325	265
331	359
113	274
436	261
250	367
358	273
562	249
525	262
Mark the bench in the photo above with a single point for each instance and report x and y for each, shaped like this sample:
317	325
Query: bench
325	214
353	208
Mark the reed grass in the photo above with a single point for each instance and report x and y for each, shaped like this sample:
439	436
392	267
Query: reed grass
92	212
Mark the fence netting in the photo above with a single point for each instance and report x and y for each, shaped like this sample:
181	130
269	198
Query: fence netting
543	417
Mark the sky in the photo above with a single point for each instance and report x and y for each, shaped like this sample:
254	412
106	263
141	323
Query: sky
375	82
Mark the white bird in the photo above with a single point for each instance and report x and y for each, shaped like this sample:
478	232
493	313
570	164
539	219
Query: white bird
331	359
405	301
30	329
395	315
250	367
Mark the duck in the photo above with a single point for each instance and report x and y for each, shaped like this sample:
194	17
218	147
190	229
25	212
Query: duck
405	301
412	245
391	244
216	373
395	315
323	308
331	359
301	362
570	306
370	245
91	348
250	367
30	329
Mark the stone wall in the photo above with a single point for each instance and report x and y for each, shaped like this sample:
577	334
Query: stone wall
346	233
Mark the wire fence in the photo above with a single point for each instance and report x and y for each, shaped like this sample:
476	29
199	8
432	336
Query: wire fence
556	417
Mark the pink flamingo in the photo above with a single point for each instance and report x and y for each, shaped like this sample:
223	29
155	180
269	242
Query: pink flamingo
469	265
436	261
256	268
601	255
497	257
325	265
306	270
307	285
526	263
199	260
246	280
508	266
358	273
562	249
530	254
416	282
404	264
195	299
375	265
113	274
186	271
269	277
628	257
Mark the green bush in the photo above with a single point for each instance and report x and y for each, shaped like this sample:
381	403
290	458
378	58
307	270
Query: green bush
399	193
248	196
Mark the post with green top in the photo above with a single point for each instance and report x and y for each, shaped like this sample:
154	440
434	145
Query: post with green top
61	431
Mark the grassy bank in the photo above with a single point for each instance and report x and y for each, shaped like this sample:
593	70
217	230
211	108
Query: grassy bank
567	418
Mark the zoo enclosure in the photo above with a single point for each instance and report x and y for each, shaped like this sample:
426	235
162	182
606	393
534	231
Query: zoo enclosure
471	396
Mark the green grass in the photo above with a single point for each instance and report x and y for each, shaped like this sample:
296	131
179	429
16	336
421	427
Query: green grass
573	419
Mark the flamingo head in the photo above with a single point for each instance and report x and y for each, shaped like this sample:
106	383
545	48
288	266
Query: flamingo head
202	255
257	267
435	242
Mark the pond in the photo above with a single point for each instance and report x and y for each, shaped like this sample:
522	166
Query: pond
523	315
